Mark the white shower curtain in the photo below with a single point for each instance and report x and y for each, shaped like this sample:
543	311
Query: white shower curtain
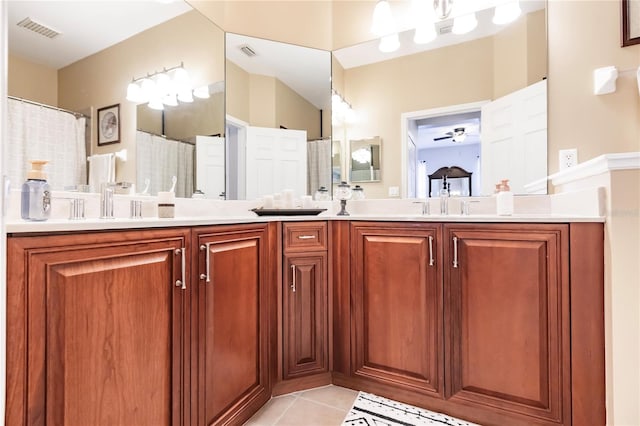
40	133
318	165
159	159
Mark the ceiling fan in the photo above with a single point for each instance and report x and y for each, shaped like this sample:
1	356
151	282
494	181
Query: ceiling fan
457	135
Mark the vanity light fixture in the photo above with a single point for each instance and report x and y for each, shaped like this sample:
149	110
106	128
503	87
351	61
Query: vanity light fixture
341	110
427	12
160	88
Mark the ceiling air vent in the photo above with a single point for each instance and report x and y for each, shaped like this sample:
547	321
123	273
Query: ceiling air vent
36	27
247	50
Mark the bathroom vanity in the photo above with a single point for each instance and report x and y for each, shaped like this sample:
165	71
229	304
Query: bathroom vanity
498	323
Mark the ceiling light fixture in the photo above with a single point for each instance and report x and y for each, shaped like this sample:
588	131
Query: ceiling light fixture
464	24
382	22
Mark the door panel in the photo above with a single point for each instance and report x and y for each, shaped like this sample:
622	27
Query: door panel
398	307
305	320
507	337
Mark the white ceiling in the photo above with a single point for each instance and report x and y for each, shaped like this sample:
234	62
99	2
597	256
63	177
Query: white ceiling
431	128
86	27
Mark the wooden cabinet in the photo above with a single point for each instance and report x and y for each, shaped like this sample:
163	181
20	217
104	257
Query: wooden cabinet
233	302
304	299
96	329
397	306
475	316
507	319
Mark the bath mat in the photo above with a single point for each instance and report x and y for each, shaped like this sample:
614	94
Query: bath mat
373	410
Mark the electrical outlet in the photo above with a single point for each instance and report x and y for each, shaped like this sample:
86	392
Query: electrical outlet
568	158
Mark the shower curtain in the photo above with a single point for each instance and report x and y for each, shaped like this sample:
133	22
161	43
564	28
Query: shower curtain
159	159
37	132
318	165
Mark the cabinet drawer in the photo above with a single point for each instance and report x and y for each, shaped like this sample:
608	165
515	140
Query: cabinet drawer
305	236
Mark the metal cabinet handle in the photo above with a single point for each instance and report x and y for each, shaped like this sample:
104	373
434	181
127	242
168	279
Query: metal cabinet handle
306	237
455	252
182	282
206	276
431	260
293	278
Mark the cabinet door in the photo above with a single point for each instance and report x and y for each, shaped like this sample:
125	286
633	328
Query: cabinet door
233	324
305	315
97	331
397	306
507	307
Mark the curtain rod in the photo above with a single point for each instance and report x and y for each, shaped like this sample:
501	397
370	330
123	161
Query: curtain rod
75	114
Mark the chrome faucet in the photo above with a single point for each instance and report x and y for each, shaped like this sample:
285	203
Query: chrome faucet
106	200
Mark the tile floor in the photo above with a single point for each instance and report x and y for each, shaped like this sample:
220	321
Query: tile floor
323	406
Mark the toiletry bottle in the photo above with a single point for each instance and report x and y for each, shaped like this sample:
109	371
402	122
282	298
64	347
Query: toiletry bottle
504	199
444	197
36	194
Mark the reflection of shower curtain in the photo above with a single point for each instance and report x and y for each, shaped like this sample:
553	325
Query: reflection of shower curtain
318	165
158	159
36	132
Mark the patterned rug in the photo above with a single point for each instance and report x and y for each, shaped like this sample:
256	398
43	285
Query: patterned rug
373	410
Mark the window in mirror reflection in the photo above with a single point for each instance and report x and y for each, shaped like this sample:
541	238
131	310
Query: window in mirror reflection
365	160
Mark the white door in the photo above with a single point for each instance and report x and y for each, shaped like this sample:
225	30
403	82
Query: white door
210	165
276	159
514	139
412	161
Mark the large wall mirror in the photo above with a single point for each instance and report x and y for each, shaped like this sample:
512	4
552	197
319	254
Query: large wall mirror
456	101
278	117
89	66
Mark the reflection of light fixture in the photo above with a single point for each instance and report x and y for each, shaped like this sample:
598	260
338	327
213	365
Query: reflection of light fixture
341	111
506	13
343	193
362	155
201	92
426	12
382	22
464	24
162	87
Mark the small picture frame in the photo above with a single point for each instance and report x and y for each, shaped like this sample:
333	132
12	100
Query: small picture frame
109	125
630	22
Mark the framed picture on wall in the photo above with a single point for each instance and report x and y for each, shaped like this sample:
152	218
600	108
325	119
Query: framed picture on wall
630	22
109	125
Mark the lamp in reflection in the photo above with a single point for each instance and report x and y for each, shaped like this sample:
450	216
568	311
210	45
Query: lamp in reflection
165	87
464	24
201	92
343	193
341	110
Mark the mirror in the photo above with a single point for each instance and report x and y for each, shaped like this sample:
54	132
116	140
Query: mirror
87	80
428	104
365	160
278	118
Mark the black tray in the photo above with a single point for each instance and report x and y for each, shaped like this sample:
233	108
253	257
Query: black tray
287	212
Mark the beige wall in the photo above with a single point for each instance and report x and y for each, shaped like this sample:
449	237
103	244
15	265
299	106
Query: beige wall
32	81
101	79
267	102
583	36
426	80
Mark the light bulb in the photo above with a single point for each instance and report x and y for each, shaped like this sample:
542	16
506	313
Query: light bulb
382	22
181	80
163	84
506	13
464	24
424	33
201	92
147	89
185	96
156	103
170	100
134	93
389	43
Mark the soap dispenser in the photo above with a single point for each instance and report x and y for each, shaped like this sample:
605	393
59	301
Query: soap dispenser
36	193
504	199
444	197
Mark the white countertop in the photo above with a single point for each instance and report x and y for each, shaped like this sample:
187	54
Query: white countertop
585	206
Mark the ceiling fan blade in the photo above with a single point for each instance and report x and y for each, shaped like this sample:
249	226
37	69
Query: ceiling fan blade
441	138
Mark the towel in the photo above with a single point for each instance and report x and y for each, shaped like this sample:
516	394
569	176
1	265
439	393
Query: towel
102	168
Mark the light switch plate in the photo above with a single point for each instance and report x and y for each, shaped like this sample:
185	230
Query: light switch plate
394	191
